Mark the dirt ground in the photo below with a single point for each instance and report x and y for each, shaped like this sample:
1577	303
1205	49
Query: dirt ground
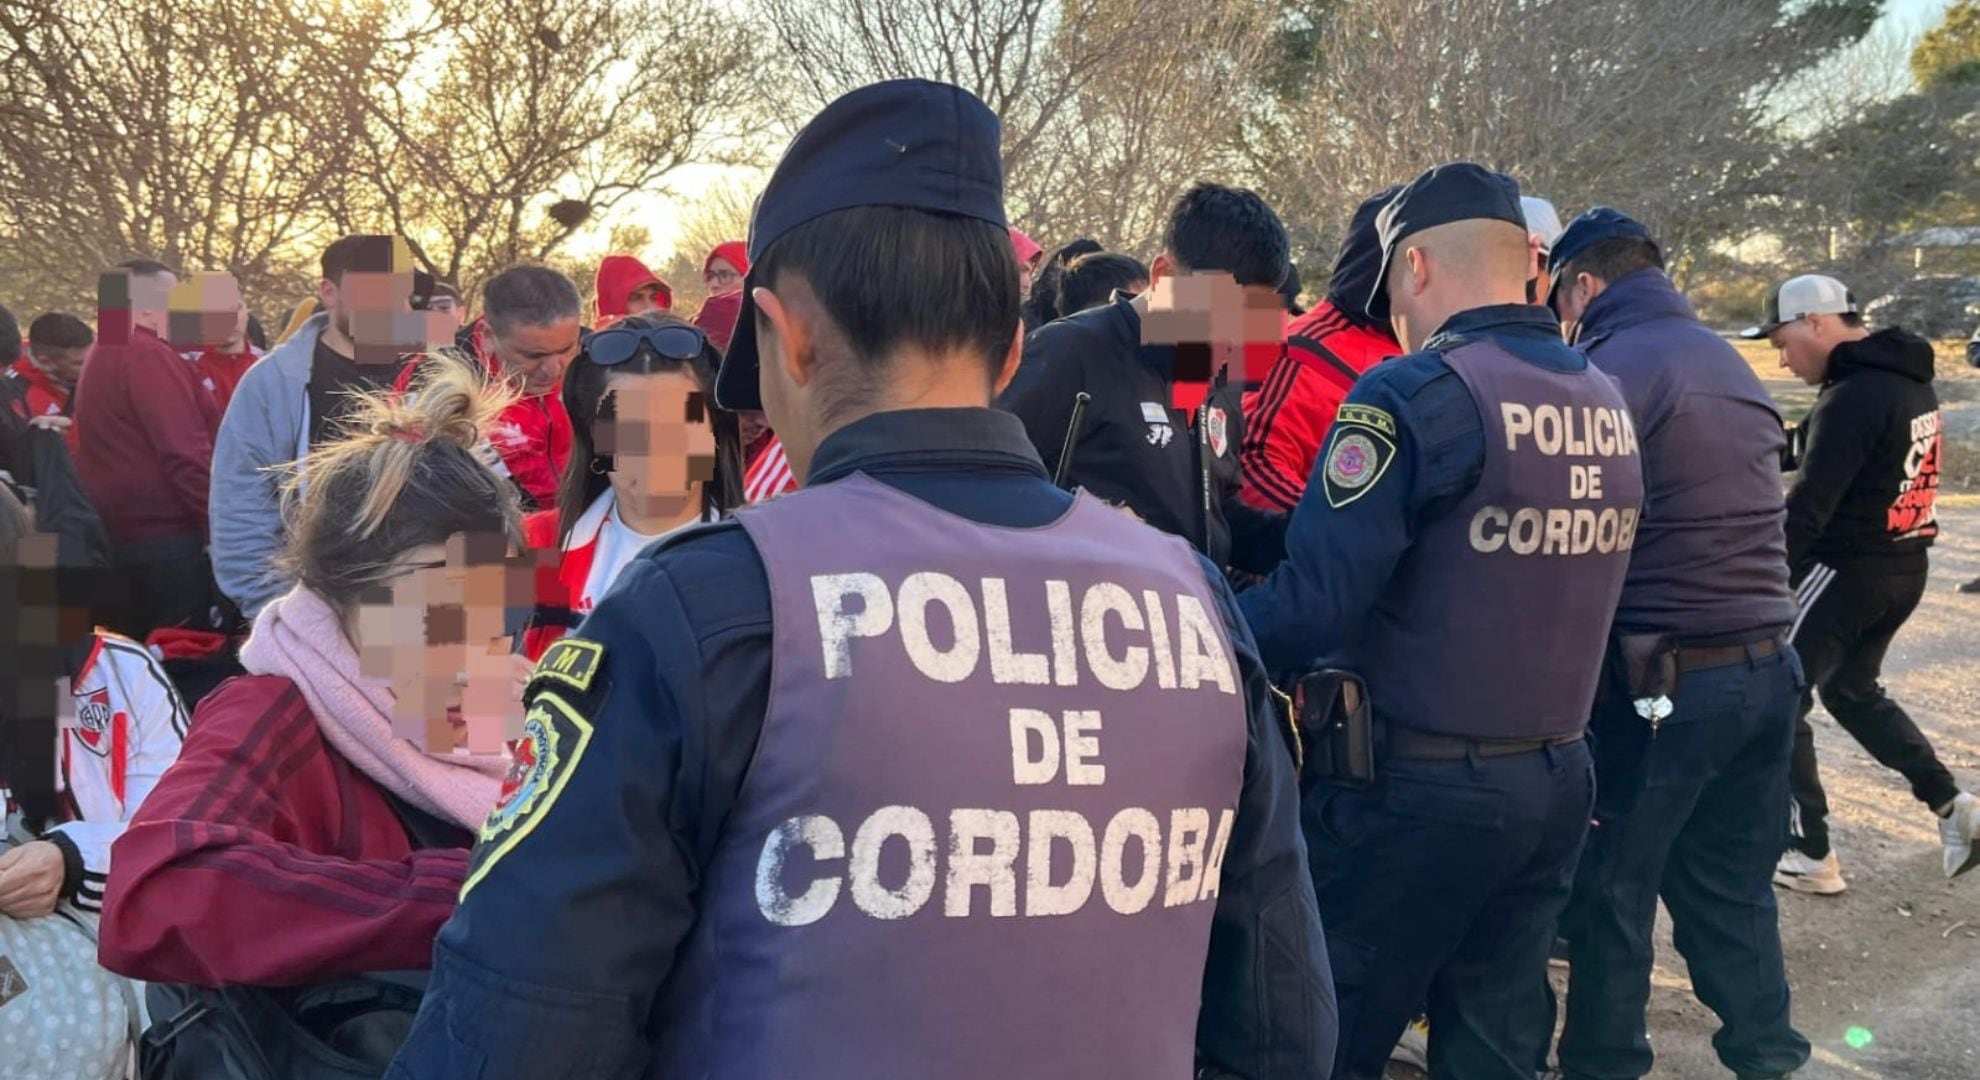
1886	977
1895	959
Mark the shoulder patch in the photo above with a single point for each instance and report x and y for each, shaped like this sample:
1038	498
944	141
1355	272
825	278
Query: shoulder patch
553	742
1368	416
571	661
1357	456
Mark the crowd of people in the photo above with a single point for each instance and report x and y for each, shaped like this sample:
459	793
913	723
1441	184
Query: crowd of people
557	692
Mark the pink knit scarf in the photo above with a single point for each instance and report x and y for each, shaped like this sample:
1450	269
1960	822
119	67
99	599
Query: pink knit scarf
299	636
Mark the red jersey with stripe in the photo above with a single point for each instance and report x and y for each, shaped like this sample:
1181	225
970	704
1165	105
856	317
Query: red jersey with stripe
265	857
769	472
40	396
1286	419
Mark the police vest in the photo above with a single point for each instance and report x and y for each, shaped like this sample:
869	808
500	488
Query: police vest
984	830
1496	621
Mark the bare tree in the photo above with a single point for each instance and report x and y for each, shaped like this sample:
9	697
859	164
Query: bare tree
244	133
1656	108
206	139
1872	156
1108	106
718	215
1167	113
519	121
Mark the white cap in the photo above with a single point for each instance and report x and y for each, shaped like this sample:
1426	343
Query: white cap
1809	294
1542	220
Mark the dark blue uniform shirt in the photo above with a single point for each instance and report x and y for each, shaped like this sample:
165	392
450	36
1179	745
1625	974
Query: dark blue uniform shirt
552	963
1338	560
1710	557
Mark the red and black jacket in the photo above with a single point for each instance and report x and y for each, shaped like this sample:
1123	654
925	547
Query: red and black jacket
1288	417
265	857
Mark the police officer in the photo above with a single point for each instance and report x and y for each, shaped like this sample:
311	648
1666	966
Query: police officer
929	769
1694	724
1461	547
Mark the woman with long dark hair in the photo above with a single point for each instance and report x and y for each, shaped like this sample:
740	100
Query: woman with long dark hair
650	455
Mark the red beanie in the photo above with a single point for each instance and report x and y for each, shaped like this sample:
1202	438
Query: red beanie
735	251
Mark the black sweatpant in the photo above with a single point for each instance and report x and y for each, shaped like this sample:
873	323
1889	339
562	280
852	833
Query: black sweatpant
1848	619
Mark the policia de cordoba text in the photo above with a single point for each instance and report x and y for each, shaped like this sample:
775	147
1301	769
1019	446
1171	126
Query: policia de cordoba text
1133	857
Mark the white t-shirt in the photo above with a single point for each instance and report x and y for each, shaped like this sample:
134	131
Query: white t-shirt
617	545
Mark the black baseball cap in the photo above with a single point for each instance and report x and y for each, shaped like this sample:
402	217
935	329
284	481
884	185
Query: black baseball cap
1457	191
908	142
1584	232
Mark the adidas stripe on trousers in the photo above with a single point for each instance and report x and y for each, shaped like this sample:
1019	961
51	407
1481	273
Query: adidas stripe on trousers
1847	621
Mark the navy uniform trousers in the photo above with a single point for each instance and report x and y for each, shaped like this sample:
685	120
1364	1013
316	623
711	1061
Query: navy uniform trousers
1435	883
1691	815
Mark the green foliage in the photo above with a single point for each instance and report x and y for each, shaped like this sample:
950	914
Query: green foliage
1949	54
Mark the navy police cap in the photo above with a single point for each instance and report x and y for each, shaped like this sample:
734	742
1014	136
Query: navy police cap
910	143
1457	191
1584	232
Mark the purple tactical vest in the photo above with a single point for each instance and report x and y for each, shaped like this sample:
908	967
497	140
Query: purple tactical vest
984	829
1495	624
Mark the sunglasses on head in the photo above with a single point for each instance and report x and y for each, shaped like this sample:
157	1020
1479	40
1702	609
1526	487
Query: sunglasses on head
608	348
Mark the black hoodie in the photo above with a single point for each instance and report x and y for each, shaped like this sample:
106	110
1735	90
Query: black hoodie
1870	468
1177	470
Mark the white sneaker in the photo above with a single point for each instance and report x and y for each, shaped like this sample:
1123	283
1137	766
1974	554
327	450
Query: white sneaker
1414	1047
1823	876
1957	832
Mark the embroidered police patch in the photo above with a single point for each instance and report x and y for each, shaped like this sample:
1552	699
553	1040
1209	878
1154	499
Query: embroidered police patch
1359	456
553	742
571	661
1367	416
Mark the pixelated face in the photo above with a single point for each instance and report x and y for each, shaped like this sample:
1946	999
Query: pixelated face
64	366
1804	348
439	632
371	305
643	299
373	308
1210	319
536	356
47	612
662	441
206	311
721	277
126	301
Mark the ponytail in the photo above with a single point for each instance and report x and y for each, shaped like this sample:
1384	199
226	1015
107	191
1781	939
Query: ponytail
407	471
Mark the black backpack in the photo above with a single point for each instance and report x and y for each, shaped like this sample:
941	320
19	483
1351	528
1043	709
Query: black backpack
345	1029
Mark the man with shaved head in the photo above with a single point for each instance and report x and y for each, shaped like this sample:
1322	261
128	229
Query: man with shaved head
1461	549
